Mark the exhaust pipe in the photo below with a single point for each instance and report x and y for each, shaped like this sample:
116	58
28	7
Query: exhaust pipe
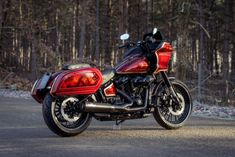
110	108
101	107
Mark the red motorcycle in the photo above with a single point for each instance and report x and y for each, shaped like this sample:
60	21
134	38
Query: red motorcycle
135	88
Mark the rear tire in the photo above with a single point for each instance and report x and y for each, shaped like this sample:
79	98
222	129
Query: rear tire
164	113
57	124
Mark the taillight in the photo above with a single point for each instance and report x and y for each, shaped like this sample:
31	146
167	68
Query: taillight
79	80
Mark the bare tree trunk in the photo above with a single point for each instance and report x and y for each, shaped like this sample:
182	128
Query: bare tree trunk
201	50
82	35
146	16
74	32
210	58
33	56
58	41
170	22
181	55
125	15
5	5
226	50
97	32
88	44
216	63
151	13
233	64
107	46
21	53
121	24
82	38
34	42
233	43
1	30
194	52
138	24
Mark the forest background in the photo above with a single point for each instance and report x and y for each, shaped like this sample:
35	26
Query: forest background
42	35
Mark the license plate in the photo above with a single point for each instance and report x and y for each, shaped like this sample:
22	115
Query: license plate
44	81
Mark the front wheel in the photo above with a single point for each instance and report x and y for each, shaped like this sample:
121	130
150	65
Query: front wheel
168	113
63	117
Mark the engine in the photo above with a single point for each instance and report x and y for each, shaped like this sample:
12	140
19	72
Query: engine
134	87
130	92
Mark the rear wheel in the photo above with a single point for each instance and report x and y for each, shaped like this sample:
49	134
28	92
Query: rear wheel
63	116
168	113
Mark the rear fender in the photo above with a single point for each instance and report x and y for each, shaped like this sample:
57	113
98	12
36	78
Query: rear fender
39	90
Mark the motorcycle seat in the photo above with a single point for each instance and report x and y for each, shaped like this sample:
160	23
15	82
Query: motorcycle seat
75	66
107	75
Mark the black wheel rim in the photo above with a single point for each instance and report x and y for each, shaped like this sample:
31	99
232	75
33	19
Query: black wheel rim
165	109
61	121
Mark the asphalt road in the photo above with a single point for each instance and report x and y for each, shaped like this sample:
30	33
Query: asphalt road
23	133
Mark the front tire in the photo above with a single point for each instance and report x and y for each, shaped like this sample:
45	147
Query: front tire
166	113
59	122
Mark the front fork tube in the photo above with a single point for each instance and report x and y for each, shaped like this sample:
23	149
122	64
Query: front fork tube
149	95
169	86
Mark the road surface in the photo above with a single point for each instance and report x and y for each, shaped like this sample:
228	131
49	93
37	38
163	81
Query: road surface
23	133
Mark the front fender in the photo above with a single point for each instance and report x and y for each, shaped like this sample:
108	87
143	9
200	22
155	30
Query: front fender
158	84
171	79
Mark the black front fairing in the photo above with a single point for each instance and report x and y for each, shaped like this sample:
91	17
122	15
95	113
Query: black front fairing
136	50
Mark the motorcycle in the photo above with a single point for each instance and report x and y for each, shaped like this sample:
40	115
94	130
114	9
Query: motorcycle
136	88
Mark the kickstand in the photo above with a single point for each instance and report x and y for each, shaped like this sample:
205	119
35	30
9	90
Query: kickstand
117	125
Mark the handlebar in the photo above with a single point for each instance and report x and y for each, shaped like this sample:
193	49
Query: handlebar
121	46
127	45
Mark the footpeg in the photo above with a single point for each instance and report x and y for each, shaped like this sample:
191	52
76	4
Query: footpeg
117	125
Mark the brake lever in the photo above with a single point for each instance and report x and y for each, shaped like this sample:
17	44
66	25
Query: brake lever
127	45
122	46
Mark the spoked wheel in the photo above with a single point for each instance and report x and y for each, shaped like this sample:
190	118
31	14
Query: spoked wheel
64	117
168	113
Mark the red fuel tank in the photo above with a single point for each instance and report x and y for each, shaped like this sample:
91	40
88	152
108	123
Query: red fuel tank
133	65
82	81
